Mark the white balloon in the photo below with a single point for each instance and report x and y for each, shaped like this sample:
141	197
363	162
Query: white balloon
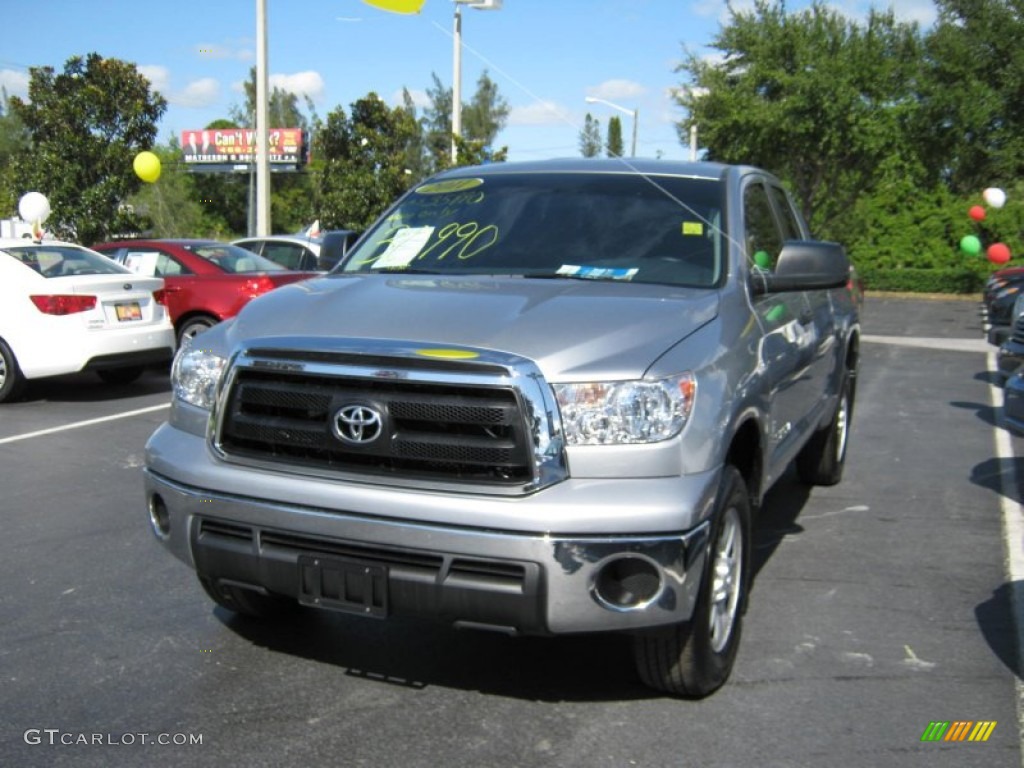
34	206
994	197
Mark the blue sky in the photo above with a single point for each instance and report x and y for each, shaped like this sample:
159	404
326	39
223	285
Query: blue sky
546	56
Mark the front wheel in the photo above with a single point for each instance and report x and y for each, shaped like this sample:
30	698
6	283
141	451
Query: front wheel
695	658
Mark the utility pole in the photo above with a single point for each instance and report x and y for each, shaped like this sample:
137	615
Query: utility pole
262	129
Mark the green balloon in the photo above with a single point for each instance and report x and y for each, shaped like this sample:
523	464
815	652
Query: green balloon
763	260
776	313
970	245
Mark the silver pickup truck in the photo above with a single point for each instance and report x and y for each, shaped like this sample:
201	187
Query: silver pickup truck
538	398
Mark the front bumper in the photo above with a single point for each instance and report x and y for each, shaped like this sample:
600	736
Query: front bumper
258	529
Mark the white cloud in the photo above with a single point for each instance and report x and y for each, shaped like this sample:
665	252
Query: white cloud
14	82
616	89
307	83
197	94
159	77
540	113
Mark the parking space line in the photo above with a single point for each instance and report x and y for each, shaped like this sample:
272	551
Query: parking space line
1013	533
86	423
952	344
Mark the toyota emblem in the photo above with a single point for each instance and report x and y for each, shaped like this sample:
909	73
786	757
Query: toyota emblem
357	424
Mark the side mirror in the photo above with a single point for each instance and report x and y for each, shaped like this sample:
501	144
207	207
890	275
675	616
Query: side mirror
804	265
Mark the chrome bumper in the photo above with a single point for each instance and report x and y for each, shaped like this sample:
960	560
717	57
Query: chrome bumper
508	581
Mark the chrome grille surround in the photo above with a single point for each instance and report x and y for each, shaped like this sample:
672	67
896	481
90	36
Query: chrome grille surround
447	420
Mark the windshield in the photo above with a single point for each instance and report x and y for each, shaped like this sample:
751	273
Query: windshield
233	258
61	260
574	225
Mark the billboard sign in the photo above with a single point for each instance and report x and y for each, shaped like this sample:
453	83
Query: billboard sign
238	145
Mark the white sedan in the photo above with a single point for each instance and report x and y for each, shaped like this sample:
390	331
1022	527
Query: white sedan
65	308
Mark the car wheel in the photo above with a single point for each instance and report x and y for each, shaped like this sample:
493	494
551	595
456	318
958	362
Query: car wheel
695	658
822	460
11	379
247	602
194	326
120	375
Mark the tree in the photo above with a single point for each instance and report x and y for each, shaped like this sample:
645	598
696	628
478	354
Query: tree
590	137
973	94
291	193
482	120
14	140
824	102
486	114
360	162
225	196
174	207
86	125
614	144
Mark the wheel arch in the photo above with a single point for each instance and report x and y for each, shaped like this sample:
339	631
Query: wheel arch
746	454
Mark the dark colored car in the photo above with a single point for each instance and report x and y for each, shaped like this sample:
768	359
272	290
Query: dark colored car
206	281
290	251
1013	402
334	246
1000	294
302	252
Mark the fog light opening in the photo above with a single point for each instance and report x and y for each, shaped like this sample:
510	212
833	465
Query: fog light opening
627	583
159	517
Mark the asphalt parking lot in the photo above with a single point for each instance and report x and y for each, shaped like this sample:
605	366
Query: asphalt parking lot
878	606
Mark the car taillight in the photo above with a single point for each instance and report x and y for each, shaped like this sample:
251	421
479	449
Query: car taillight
160	297
256	286
63	304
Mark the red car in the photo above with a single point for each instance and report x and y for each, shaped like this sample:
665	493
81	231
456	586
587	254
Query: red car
205	281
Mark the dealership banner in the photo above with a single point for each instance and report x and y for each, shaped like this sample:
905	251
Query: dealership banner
238	145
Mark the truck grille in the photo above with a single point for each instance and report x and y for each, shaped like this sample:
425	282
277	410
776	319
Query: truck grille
423	430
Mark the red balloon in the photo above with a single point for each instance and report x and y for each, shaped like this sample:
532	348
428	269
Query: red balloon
977	213
998	253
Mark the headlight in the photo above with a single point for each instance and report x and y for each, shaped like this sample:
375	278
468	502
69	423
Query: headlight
618	412
195	374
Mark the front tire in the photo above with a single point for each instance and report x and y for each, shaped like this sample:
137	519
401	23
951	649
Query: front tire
12	382
695	658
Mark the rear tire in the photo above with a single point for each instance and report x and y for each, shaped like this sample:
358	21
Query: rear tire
822	460
695	658
247	602
12	382
120	375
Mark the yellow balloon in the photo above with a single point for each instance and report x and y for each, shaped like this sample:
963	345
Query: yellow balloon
397	6
147	166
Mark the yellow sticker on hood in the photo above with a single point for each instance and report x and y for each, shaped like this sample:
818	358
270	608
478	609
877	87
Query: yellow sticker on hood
448	354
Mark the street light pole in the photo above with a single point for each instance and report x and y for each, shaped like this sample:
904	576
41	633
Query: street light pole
480	5
262	156
457	81
633	112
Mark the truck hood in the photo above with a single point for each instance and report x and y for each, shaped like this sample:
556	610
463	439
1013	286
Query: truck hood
572	329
